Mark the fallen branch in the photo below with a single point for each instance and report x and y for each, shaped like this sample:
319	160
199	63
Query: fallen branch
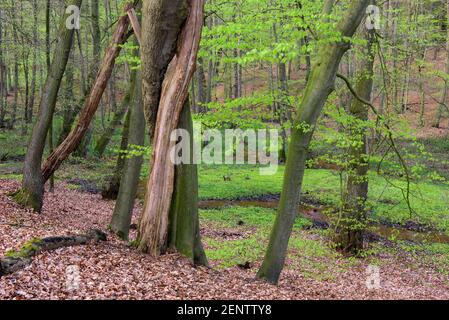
16	260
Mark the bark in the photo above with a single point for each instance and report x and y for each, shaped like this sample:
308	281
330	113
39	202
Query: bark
73	140
30	106
319	86
31	194
161	30
202	99
111	188
70	111
441	107
351	227
16	71
153	230
422	92
2	80
121	218
106	137
83	147
15	261
48	59
184	229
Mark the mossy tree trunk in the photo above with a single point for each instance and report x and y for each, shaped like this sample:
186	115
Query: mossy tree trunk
31	194
184	229
164	223
121	218
319	86
349	237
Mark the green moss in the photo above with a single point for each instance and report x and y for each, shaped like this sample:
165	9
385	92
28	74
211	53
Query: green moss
28	249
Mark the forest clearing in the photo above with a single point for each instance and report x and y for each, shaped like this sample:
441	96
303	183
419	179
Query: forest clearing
224	150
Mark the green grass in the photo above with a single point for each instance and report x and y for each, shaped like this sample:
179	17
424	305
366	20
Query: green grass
430	201
12	145
250	217
310	256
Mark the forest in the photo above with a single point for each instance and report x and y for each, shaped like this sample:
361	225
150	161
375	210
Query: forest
224	150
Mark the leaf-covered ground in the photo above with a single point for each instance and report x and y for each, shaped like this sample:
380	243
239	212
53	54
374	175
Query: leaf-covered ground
112	270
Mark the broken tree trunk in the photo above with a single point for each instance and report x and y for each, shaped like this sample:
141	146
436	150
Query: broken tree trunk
14	261
153	228
73	140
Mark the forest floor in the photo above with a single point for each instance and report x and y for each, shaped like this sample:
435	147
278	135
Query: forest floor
113	270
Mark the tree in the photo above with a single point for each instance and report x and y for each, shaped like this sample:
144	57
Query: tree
73	140
164	104
443	104
319	86
352	223
31	194
129	179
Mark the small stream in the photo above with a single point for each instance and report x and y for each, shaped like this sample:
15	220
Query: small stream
315	214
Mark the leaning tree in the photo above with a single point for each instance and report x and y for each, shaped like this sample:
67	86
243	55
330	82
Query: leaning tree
319	86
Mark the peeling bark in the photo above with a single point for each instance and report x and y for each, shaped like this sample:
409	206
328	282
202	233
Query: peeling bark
153	228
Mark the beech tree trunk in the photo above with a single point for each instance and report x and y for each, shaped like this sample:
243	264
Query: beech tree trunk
31	194
2	80
32	93
444	98
121	218
319	86
350	229
153	229
184	229
73	140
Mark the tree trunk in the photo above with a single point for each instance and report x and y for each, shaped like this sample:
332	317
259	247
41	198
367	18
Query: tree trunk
106	136
2	80
69	111
201	87
121	218
30	107
48	60
16	73
422	92
352	224
441	107
91	105
320	85
153	229
111	188
31	194
184	229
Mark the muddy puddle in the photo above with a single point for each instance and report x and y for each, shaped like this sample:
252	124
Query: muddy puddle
320	220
